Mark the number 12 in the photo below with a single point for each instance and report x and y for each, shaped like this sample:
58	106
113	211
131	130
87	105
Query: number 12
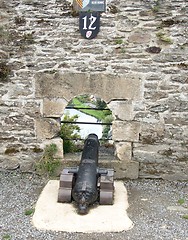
92	20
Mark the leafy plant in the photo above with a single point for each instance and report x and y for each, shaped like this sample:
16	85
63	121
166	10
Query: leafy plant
4	34
181	201
118	41
29	212
106	129
69	132
4	71
20	20
185	216
156	7
48	164
7	237
100	104
28	38
164	38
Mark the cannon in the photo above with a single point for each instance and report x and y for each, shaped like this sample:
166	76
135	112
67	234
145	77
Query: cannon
87	183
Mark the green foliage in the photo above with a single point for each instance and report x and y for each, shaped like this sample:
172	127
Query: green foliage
48	164
100	115
100	104
29	212
7	237
83	98
185	216
69	132
28	38
106	129
181	201
118	41
4	34
156	7
164	38
4	71
19	20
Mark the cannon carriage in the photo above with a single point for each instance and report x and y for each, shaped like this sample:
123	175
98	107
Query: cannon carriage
87	183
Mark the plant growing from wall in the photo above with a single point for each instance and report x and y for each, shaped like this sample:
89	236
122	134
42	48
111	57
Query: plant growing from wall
4	35
100	104
156	6
164	38
48	164
106	129
69	132
4	71
28	38
6	237
118	41
19	20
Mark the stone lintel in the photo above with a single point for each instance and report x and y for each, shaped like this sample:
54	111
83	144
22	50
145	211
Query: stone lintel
105	86
66	85
109	87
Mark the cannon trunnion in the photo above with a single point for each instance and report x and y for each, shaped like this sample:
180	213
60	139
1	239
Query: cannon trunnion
87	184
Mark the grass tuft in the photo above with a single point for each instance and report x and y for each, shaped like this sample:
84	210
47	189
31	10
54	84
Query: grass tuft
48	164
29	212
181	201
6	237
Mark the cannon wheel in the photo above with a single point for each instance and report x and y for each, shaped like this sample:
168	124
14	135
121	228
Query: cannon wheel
106	192
65	186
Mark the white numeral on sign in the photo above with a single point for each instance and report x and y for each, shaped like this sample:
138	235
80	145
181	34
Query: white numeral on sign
92	20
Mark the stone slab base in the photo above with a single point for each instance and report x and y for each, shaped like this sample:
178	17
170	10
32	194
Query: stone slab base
51	215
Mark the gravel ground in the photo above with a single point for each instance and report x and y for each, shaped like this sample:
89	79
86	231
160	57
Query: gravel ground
150	203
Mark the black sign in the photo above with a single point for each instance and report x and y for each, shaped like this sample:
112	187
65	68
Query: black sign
91	5
89	24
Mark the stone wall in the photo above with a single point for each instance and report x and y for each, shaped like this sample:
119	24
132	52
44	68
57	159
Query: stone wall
137	64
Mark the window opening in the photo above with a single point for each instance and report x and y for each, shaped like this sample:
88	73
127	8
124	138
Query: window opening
92	116
91	111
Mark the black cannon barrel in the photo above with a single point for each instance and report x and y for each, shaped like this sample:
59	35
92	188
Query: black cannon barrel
85	188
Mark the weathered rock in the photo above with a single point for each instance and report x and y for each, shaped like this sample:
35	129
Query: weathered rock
47	128
126	131
105	86
50	63
58	142
128	170
54	107
124	151
140	37
122	110
10	163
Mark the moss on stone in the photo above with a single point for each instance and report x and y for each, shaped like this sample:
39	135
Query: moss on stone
11	150
4	71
